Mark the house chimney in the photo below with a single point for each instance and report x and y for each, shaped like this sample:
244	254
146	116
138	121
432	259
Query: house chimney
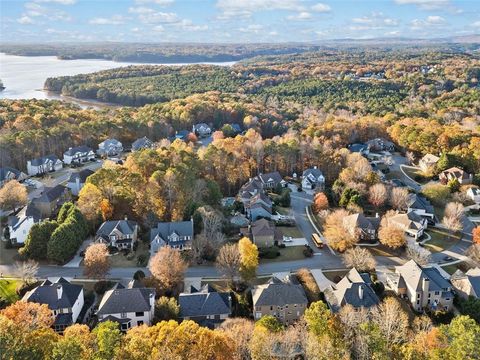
315	166
425	284
377	215
59	291
360	292
152	300
125	217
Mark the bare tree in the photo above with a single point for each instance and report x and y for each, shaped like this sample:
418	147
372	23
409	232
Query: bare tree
359	258
399	198
240	330
453	217
338	236
410	157
229	261
168	267
417	253
97	262
392	321
13	195
212	222
474	253
27	271
377	194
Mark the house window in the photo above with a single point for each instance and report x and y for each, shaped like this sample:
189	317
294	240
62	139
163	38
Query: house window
418	296
139	313
437	292
123	315
429	295
139	323
418	302
428	302
271	307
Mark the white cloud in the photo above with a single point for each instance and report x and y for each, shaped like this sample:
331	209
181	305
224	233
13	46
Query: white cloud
25	20
425	4
375	21
36	10
476	24
158	18
114	20
157	2
273	33
159	28
62	2
186	24
252	28
300	16
245	8
429	22
140	10
323	8
436	20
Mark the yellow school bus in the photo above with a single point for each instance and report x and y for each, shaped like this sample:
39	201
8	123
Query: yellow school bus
316	239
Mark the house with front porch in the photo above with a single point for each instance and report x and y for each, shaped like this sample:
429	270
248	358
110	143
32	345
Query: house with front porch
422	207
44	165
313	179
175	234
366	226
121	234
413	224
19	225
474	195
8	173
78	154
110	147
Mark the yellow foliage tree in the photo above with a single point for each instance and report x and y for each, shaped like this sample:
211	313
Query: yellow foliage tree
248	258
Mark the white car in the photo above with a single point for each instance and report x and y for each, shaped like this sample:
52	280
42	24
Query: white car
287	239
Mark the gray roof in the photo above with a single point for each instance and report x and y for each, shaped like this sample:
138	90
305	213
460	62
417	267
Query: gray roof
81	175
77	149
165	229
110	142
119	300
28	211
274	177
43	160
279	293
261	196
316	173
357	147
124	226
142	143
206	301
47	293
413	275
419	202
8	172
362	222
51	194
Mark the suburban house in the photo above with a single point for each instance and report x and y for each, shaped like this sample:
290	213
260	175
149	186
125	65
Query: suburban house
121	234
362	149
77	180
78	155
19	225
177	235
354	289
8	173
474	194
64	299
110	147
239	220
367	226
206	306
421	206
129	307
263	233
380	144
428	162
467	284
313	179
237	128
271	180
259	206
248	190
455	173
181	135
44	165
202	130
283	299
413	224
51	200
142	143
424	287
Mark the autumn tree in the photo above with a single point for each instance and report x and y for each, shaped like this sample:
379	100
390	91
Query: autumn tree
27	271
338	236
106	209
248	258
89	200
378	195
13	195
108	339
320	202
229	261
168	267
166	308
398	198
30	315
460	339
240	330
390	234
392	321
453	216
96	261
77	342
476	235
359	258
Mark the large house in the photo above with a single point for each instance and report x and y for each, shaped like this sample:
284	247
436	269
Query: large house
8	173
19	225
248	190
129	307
428	162
313	179
110	147
283	299
78	155
421	206
44	165
51	200
259	206
142	143
263	233
380	144
474	195
467	284
354	289
206	306
121	234
202	130
413	224
64	299
455	173
424	287
367	226
178	235
77	180
271	180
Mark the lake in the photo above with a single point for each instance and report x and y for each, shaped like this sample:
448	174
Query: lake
24	76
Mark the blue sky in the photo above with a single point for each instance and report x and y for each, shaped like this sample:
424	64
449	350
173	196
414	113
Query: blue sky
233	20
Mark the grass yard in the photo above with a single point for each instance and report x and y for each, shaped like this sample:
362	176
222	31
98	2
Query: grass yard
120	260
283	210
441	240
7	256
287	254
460	266
382	250
394	175
416	175
7	290
292	231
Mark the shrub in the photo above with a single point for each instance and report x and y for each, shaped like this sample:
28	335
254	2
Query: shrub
308	251
142	260
101	286
139	274
269	253
130	256
308	282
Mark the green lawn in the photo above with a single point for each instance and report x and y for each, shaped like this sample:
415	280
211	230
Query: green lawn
452	268
7	256
287	254
441	240
7	290
394	175
416	175
382	250
292	231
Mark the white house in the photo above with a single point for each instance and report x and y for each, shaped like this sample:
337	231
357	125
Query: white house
19	225
142	143
202	130
129	307
178	235
64	299
121	234
110	147
78	155
77	180
44	165
474	194
8	173
313	179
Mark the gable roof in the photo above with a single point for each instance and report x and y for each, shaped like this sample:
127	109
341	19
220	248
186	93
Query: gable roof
206	301
44	160
430	159
278	292
413	275
316	173
361	221
472	277
124	226
47	293
142	143
456	172
120	300
165	229
416	201
263	227
110	142
274	177
81	175
28	211
51	194
474	191
408	221
7	173
77	149
261	196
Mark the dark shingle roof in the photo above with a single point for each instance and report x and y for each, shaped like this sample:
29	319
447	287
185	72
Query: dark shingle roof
7	172
278	293
117	301
419	202
205	302
29	211
124	226
51	194
165	229
78	149
82	175
142	143
43	160
47	294
272	176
